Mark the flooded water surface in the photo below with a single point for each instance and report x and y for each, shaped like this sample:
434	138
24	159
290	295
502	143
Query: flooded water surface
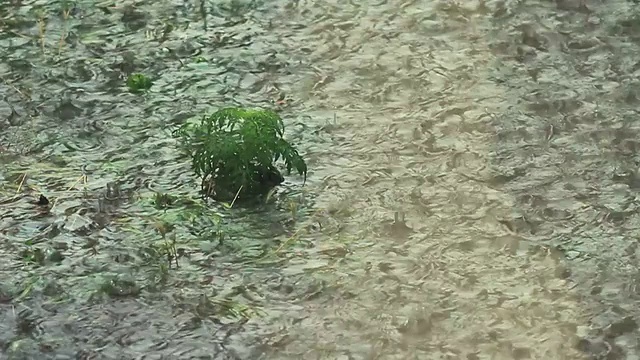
472	188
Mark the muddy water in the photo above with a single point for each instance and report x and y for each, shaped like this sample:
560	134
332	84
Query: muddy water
471	193
434	271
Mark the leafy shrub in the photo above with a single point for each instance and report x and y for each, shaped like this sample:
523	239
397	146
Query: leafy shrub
235	152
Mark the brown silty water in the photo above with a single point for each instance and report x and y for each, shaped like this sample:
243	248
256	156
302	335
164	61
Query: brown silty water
435	273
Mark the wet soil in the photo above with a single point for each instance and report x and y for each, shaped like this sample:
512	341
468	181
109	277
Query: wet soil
472	188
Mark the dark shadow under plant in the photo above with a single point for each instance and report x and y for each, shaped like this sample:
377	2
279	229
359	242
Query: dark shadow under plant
235	151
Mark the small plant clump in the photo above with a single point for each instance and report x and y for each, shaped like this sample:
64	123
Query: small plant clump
234	151
138	83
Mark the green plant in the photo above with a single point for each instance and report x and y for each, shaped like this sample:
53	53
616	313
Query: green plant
234	151
163	201
138	83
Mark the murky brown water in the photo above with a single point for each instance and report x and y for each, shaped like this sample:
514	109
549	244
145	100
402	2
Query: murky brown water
410	85
472	186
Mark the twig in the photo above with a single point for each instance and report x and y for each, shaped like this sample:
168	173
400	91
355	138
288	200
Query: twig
295	234
82	178
14	88
42	30
236	197
24	176
65	15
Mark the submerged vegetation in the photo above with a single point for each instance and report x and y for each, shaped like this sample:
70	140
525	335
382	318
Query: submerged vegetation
235	152
138	83
109	248
95	218
109	251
